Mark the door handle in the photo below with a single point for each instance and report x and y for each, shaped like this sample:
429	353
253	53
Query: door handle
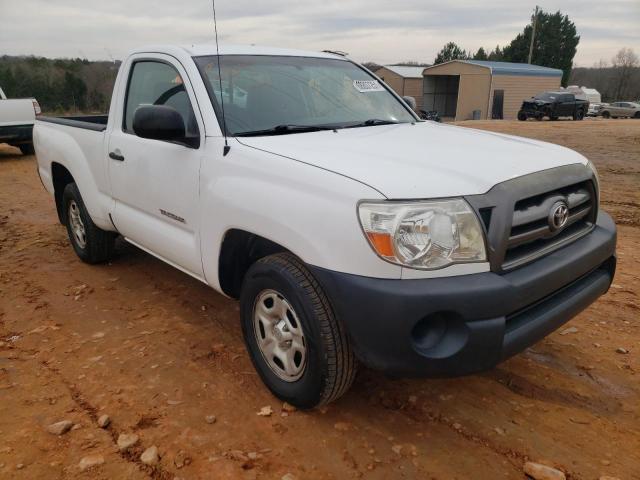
116	156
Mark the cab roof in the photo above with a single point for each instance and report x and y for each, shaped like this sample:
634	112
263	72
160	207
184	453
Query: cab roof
229	49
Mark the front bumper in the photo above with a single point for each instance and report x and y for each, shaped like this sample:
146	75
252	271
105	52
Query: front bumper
459	325
533	111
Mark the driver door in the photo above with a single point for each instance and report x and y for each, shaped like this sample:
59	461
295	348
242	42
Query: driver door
567	103
155	183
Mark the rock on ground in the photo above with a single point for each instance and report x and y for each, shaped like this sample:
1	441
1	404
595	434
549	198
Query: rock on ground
181	459
90	461
210	419
60	428
127	440
265	411
104	421
150	456
538	471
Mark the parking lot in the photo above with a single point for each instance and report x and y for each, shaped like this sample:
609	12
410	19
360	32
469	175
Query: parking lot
162	355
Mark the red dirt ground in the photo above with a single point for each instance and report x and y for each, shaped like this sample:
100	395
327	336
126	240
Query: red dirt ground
158	351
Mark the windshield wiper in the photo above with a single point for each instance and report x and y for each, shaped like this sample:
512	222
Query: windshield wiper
373	121
285	129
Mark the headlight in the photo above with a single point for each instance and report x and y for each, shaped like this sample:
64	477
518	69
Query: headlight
423	235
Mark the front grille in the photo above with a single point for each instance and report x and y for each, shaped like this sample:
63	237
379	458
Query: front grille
531	236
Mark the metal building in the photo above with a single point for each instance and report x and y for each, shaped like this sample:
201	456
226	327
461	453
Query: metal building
405	81
475	89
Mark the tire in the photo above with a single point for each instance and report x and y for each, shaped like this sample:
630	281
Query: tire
539	117
578	115
637	115
606	115
328	366
553	118
27	149
98	245
522	116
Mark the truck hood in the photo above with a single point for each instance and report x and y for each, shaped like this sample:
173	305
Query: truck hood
424	160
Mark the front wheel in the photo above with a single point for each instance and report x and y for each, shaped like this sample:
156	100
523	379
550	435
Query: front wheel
522	116
606	115
579	115
299	348
91	244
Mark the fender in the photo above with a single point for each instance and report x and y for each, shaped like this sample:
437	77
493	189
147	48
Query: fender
252	190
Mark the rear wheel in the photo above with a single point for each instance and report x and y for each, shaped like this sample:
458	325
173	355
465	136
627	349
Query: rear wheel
91	244
299	348
606	115
637	115
27	149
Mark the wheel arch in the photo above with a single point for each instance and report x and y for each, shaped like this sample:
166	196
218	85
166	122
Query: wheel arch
238	251
61	177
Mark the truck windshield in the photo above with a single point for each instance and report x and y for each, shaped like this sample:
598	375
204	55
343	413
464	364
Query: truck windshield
547	97
273	95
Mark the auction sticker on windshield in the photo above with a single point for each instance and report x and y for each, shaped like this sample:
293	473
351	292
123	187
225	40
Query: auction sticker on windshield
368	86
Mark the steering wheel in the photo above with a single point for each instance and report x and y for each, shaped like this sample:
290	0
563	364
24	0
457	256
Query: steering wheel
164	98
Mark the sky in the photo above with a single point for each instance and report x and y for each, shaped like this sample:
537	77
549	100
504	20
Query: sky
369	30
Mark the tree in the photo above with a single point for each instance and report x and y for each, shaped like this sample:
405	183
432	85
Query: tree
554	45
481	55
411	63
496	55
623	65
449	52
373	66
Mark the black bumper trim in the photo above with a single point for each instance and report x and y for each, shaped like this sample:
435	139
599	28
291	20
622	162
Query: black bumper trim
465	324
16	134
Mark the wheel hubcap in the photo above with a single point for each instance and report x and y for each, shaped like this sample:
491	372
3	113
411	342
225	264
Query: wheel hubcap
77	227
279	335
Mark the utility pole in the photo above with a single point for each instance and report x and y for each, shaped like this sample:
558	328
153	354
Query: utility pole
533	33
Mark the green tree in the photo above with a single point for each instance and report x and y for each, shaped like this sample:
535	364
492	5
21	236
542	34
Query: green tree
496	54
481	55
449	52
554	45
75	92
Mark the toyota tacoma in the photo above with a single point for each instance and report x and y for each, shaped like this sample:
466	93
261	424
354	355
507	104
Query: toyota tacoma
351	231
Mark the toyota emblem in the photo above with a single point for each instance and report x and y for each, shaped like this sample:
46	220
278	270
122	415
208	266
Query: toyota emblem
558	216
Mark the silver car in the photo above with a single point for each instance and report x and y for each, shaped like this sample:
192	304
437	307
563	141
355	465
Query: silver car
621	109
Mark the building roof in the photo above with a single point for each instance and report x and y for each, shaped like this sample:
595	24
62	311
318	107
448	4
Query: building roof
406	72
509	68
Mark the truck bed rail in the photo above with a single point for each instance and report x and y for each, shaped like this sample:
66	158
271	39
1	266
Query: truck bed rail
97	123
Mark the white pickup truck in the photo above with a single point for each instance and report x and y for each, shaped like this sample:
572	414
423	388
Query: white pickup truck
17	116
350	231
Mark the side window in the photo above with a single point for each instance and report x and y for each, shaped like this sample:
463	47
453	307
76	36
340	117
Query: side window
157	83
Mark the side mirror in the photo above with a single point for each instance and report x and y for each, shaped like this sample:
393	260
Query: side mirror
159	122
410	101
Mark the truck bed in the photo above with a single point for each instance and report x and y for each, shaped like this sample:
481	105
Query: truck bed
97	123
